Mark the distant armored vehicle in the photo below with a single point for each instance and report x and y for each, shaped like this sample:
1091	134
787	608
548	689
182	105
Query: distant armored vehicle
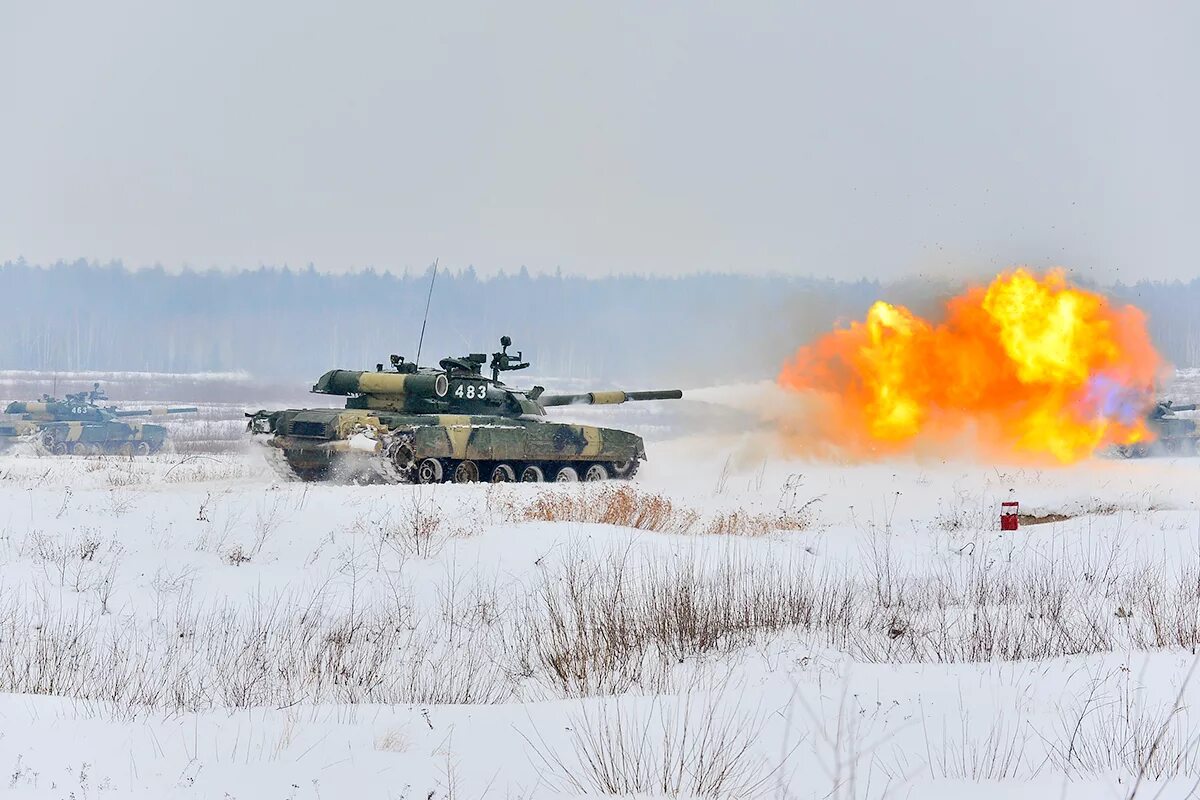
78	425
1174	435
424	425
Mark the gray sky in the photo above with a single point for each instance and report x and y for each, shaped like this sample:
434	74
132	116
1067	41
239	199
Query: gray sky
841	139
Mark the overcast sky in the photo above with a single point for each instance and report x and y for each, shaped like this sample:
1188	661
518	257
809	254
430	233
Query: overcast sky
844	139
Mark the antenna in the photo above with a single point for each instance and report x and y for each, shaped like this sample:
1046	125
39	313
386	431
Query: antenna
421	341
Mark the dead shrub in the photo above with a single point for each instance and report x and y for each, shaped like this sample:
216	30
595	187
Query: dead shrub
413	526
629	507
670	749
622	505
741	522
236	556
270	652
604	627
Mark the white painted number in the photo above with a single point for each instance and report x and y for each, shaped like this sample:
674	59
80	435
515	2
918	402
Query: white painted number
470	391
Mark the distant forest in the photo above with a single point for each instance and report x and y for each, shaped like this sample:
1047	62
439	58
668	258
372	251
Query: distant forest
295	324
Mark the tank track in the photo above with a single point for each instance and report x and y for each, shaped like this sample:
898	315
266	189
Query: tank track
278	462
394	462
41	448
1168	446
345	468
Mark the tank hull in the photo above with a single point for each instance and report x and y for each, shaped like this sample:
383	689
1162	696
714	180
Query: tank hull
1174	436
370	446
92	438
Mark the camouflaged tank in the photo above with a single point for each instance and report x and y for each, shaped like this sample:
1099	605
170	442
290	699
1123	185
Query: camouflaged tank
1172	435
79	426
425	425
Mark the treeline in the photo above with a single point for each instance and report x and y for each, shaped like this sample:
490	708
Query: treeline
288	323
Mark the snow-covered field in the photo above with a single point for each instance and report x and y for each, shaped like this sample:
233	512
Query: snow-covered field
186	626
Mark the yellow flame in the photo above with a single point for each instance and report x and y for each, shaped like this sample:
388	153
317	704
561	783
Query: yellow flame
1028	365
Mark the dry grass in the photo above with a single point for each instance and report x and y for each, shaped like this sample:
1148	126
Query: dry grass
589	624
1113	730
125	473
603	626
622	505
269	653
412	525
741	522
1120	731
669	749
628	506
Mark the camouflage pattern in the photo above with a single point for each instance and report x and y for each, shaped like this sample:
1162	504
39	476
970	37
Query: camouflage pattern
78	425
1172	435
15	430
453	423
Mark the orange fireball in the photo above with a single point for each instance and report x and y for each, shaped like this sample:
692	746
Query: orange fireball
1028	366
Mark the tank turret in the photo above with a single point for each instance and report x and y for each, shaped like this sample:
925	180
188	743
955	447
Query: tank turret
1165	408
458	386
453	421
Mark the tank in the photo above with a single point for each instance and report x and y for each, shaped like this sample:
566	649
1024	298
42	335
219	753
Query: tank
406	424
78	425
1173	435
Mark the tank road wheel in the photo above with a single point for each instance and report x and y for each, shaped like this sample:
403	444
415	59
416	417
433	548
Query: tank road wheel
503	473
430	471
566	474
596	472
466	472
141	449
625	469
58	448
532	474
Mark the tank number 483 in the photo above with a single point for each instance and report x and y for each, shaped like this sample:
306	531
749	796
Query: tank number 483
471	391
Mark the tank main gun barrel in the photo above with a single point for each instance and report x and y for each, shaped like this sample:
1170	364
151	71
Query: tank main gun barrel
607	398
156	412
1184	407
